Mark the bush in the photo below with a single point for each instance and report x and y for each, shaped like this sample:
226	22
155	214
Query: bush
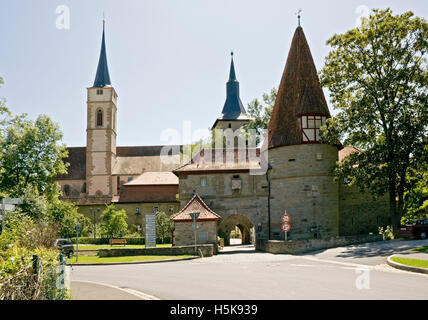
387	233
131	241
18	280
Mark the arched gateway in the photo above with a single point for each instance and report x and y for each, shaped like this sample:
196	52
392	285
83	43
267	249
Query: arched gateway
246	227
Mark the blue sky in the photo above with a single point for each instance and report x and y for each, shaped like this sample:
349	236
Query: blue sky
168	59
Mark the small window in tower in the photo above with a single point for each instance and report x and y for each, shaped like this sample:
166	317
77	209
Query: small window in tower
99	118
230	125
99	91
203	182
171	209
310	126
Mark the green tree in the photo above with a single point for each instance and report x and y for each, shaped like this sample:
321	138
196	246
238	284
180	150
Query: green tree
164	226
113	223
260	112
31	154
377	77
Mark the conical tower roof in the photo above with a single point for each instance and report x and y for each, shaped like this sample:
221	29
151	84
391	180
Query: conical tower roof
102	77
299	93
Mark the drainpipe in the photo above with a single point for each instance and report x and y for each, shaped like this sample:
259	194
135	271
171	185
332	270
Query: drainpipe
268	181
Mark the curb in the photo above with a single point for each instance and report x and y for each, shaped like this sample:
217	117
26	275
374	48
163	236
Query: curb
131	262
139	294
405	267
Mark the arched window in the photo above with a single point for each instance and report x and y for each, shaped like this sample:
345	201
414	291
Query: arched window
99	118
310	126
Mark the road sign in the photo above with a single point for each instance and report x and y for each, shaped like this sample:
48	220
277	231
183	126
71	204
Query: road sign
12	200
195	216
285	218
285	227
8	207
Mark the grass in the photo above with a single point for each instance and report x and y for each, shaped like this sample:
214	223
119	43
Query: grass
95	259
421	249
411	262
107	246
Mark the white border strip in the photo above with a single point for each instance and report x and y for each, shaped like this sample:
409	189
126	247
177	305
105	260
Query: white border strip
139	294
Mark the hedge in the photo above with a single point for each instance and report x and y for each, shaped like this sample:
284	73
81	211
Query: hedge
133	241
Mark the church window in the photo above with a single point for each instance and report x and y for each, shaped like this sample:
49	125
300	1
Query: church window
203	182
99	91
99	118
171	209
310	126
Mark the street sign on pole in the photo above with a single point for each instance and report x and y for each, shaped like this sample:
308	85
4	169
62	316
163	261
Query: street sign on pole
195	216
285	218
12	200
8	205
285	227
77	240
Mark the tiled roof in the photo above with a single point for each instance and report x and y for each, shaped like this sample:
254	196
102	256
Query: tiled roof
299	93
77	168
218	160
154	178
196	204
129	161
346	151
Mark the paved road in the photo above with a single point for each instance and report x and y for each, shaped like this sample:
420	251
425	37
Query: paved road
354	272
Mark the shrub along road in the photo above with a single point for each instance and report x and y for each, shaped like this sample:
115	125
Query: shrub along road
353	272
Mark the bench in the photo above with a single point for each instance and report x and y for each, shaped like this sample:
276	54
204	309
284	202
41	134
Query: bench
117	241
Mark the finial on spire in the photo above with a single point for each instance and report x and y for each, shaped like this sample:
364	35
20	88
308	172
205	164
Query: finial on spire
298	16
104	19
231	53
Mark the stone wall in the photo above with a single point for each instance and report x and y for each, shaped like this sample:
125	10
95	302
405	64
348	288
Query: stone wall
207	250
302	183
250	200
360	213
308	245
184	234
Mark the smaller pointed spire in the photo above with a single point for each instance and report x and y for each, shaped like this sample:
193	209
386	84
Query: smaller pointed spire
232	75
298	17
102	77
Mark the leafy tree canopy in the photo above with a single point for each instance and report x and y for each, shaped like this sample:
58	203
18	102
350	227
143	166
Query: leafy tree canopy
377	77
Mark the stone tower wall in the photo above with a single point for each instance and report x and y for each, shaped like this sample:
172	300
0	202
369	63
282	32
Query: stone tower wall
302	183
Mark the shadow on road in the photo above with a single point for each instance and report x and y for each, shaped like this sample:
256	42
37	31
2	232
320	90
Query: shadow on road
375	249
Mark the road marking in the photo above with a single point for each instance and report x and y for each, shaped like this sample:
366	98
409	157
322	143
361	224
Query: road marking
136	293
302	265
380	267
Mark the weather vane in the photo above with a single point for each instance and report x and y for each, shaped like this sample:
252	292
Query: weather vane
298	16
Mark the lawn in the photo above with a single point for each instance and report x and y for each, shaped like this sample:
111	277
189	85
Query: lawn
421	249
107	246
95	259
411	262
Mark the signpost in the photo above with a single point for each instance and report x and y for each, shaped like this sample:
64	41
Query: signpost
285	225
150	240
195	216
8	204
77	239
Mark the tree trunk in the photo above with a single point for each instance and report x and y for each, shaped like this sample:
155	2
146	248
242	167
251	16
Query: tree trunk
393	206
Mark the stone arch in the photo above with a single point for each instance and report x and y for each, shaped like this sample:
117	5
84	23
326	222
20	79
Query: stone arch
244	224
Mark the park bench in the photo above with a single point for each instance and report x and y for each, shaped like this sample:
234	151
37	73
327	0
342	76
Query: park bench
117	241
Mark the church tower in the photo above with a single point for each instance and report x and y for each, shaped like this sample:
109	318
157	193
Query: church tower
101	133
233	115
301	178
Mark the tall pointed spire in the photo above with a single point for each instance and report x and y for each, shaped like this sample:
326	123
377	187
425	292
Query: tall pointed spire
233	106
299	93
102	77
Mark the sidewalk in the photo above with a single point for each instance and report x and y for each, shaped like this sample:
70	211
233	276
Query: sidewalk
85	290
